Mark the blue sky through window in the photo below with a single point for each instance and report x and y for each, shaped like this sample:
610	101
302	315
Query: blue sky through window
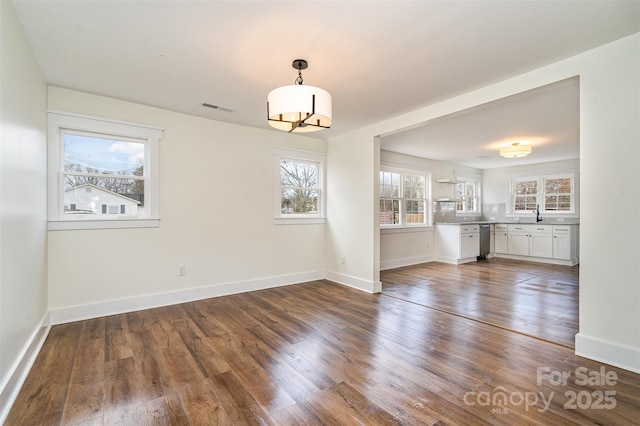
108	156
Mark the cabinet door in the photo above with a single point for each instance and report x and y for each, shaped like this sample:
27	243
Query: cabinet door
541	245
562	246
518	243
469	245
501	241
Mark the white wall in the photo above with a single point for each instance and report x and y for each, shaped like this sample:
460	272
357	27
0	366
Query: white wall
402	247
216	186
495	183
352	228
609	157
23	291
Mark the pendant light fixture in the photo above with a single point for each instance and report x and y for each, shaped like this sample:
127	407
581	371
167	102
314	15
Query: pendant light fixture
297	108
515	150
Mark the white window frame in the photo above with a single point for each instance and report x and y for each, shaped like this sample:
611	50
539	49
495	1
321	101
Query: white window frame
540	178
403	225
58	123
477	181
291	154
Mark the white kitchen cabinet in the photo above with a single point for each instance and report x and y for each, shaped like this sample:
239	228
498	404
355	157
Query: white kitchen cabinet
565	243
501	238
518	240
469	245
530	240
541	241
456	243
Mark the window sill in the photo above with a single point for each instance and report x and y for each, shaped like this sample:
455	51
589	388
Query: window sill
299	220
68	225
404	229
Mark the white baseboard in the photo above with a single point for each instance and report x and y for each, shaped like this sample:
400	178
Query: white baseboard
571	262
406	261
354	282
21	367
454	260
610	353
114	307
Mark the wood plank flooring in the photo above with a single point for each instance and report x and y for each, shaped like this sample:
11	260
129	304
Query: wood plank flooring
313	353
536	299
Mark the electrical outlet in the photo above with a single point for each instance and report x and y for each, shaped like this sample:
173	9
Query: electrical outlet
343	259
182	271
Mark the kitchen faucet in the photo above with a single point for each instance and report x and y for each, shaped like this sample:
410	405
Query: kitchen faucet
537	212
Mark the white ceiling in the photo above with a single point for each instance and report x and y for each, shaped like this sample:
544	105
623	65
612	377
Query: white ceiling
378	59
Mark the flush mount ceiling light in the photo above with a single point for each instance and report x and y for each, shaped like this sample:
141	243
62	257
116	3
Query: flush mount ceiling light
297	108
515	150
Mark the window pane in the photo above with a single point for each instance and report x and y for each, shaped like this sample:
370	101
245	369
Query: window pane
390	186
88	194
415	211
87	154
299	201
414	186
298	174
389	212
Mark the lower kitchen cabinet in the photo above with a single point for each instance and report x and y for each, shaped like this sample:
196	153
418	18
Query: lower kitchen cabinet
531	240
542	243
565	242
457	243
501	238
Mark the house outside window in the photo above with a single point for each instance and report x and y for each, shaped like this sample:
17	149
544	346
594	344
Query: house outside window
299	186
102	173
404	196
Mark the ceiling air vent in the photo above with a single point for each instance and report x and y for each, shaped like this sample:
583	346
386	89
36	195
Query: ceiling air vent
218	107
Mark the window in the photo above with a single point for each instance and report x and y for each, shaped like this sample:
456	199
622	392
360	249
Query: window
99	168
525	195
554	194
558	194
389	198
102	173
403	197
299	196
467	192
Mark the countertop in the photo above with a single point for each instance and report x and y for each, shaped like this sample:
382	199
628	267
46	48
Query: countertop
493	222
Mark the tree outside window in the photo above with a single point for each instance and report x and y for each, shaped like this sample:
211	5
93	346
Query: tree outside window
299	187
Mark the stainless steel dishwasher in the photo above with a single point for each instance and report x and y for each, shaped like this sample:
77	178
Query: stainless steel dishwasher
485	241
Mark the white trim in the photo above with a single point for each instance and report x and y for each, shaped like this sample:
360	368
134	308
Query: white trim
59	122
354	282
608	352
119	306
540	176
549	260
21	367
70	224
401	229
455	260
402	170
308	157
299	220
405	261
126	127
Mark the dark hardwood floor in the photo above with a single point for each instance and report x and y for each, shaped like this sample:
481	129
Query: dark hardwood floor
536	299
313	353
